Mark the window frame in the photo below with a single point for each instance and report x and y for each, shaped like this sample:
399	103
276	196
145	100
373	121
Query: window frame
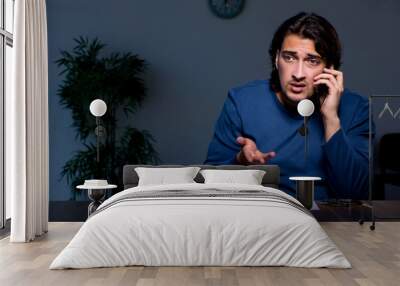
6	39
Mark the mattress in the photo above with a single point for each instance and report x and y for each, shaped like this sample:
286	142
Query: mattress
201	225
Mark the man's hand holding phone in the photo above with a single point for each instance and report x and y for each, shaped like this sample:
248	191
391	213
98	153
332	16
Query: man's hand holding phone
333	79
249	153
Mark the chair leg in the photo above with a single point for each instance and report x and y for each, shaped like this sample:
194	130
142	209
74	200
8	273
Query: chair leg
372	226
362	219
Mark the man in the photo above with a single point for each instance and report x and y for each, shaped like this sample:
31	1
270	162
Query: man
259	123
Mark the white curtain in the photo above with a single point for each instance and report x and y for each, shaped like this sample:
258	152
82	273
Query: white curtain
27	124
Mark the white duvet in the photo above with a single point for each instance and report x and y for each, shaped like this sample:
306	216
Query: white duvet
200	231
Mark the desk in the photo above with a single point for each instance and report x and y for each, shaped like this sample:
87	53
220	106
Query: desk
385	210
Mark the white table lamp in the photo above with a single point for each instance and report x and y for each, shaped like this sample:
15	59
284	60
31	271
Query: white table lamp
305	108
98	108
305	185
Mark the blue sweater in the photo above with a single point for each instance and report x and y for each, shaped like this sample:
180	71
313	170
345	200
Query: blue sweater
253	111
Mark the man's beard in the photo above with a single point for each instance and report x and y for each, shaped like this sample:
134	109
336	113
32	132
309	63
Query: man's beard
319	92
289	104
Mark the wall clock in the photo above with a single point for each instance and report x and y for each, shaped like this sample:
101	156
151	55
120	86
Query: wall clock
226	9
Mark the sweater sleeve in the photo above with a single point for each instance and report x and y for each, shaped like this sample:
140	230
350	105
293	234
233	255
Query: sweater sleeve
346	154
223	146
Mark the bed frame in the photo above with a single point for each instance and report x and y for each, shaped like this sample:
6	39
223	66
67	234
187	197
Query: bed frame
270	179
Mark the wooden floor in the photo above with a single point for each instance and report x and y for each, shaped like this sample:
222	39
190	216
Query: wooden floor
375	256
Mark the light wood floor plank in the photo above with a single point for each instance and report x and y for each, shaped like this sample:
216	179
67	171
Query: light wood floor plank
374	255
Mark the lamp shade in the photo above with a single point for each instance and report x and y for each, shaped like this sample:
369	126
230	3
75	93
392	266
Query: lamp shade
305	107
98	107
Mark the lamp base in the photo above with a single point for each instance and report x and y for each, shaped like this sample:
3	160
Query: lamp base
305	190
305	193
97	197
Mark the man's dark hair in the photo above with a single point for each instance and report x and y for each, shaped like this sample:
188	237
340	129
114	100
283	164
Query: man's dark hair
308	26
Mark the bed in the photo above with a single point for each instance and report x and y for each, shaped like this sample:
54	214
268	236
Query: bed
201	224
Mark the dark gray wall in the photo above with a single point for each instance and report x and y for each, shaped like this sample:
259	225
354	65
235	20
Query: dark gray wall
196	57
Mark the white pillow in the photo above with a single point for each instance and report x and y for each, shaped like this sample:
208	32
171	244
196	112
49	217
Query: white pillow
162	176
248	177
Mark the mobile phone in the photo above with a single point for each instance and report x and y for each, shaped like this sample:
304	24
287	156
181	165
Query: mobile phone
320	91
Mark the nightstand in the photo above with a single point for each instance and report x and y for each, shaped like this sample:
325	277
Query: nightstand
96	194
305	190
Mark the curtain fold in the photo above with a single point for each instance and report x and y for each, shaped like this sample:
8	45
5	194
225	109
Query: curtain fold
27	124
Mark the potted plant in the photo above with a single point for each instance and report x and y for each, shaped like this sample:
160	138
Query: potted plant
116	79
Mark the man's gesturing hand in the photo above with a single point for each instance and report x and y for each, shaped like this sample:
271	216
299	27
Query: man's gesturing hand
249	153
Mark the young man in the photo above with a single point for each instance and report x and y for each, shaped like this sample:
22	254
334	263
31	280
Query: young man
259	123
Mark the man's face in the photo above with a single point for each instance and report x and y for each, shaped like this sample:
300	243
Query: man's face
298	63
